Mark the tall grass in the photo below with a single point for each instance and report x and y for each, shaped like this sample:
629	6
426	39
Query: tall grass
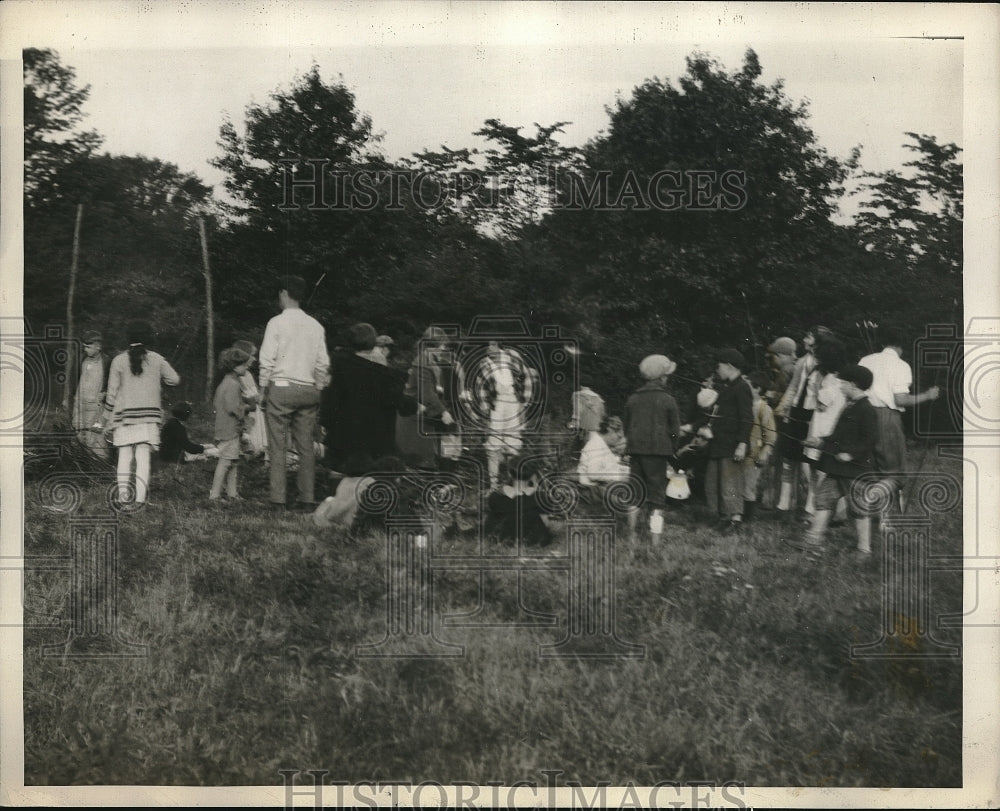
252	620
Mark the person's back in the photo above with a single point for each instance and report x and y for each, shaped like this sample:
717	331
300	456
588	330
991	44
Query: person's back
294	369
359	409
855	433
652	420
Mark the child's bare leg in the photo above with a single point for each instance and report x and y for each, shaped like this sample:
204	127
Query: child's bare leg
814	535
787	482
863	527
221	472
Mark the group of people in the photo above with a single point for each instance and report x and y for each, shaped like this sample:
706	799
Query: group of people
348	408
815	418
811	417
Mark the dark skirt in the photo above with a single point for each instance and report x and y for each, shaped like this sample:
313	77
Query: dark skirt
415	447
791	434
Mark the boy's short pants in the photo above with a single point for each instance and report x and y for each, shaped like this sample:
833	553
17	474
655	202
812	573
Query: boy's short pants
830	492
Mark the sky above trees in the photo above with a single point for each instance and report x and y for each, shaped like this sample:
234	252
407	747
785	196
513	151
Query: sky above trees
433	85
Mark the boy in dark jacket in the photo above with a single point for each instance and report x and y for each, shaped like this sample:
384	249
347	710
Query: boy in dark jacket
730	440
847	454
652	424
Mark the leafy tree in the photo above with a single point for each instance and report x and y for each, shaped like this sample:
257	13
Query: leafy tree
916	218
52	110
524	173
684	269
139	253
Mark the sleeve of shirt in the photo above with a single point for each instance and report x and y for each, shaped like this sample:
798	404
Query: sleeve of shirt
902	378
233	401
744	413
673	419
114	383
189	446
768	432
268	353
786	399
168	375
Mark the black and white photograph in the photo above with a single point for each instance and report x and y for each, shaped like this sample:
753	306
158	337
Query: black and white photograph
499	404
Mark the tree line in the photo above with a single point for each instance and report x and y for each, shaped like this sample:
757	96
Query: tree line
624	280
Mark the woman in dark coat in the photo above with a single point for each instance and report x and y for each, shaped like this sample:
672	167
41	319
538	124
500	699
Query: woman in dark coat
358	409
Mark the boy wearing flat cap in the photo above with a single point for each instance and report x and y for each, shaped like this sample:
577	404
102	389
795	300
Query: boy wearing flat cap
730	440
652	424
846	454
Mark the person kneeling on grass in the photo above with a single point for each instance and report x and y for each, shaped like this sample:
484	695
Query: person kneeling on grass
847	454
230	414
598	462
175	445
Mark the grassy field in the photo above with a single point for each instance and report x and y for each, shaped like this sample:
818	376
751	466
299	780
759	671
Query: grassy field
252	620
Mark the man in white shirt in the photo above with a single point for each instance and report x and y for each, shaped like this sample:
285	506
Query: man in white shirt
294	369
890	394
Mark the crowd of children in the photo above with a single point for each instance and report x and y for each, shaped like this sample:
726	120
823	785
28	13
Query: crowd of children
754	438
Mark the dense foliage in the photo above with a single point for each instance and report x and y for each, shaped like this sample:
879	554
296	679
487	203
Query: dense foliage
702	215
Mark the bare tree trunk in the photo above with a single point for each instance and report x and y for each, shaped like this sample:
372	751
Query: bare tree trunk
209	315
70	354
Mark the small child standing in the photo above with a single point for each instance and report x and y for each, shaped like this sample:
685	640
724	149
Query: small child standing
230	414
847	454
727	449
762	438
652	424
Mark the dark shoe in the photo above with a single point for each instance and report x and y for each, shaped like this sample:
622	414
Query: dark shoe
749	510
277	506
732	528
303	506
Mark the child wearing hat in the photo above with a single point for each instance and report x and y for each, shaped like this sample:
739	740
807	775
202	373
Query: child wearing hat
727	449
781	363
652	424
230	414
847	453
